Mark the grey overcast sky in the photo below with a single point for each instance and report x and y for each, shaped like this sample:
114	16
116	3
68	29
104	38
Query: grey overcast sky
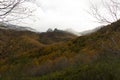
61	14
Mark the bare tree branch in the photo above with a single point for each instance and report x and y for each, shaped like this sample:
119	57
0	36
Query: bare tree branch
12	7
107	12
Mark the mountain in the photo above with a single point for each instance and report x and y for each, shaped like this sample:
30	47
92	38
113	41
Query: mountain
25	55
86	32
25	41
56	36
15	27
73	32
89	57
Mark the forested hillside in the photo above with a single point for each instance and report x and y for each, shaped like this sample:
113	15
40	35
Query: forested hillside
58	55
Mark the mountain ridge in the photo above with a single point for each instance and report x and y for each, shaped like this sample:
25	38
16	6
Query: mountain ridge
15	27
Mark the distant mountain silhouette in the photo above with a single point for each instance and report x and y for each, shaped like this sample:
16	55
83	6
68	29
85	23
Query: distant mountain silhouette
55	36
15	27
